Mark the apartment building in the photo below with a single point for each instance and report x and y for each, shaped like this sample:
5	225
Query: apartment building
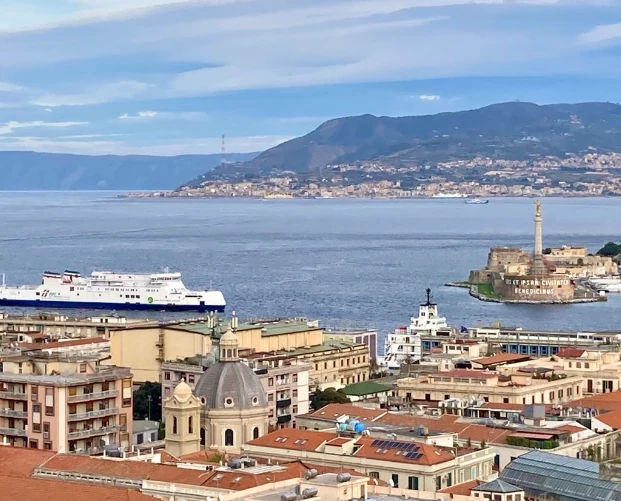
358	336
599	369
532	387
285	381
65	404
403	464
334	364
144	348
57	326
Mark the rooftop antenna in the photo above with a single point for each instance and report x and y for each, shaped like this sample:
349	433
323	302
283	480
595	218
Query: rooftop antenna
428	291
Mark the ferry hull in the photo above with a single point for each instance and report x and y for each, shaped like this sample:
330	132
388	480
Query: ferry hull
87	305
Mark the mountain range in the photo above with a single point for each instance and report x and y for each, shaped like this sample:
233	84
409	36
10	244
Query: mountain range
21	170
513	130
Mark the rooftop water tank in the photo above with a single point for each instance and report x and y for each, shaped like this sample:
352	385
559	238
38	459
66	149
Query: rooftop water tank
309	492
343	477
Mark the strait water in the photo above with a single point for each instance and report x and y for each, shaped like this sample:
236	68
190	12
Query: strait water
349	263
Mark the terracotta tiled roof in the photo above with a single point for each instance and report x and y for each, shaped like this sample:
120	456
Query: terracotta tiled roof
20	462
462	489
135	470
293	439
612	419
570	352
62	344
332	411
34	489
569	428
310	441
501	358
204	456
430	455
602	402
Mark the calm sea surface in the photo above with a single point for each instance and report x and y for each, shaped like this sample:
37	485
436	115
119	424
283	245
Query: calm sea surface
349	263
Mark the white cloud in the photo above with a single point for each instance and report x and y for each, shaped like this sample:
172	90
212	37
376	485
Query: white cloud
244	144
117	91
429	97
602	33
10	127
9	87
164	115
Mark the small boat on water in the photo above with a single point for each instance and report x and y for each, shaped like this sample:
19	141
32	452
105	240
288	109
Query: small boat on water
477	201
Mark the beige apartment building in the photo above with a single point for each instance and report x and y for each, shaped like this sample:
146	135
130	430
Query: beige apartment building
403	464
516	388
64	404
334	364
144	348
599	370
285	382
57	326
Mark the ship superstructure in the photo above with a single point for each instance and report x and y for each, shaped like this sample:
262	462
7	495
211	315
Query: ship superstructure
404	344
112	290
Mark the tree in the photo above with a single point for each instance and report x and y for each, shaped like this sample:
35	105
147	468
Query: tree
321	398
611	249
145	407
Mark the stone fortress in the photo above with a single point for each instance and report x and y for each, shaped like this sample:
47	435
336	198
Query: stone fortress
543	276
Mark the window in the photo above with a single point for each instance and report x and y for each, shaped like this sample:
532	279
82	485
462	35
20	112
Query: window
36	427
294	393
49	401
190	426
167	376
294	409
270	381
33	444
586	365
505	400
82	368
228	438
413	483
34	393
127	393
191	378
374	474
394	480
174	430
270	397
139	438
295	378
438	483
255	432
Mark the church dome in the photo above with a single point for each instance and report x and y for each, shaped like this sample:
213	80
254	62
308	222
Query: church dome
183	391
230	385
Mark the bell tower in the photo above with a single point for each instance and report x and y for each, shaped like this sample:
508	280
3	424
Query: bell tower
182	416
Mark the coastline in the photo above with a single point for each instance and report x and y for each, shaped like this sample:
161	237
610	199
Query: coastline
174	195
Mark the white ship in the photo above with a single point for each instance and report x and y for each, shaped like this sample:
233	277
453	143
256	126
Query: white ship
608	284
112	290
477	201
404	344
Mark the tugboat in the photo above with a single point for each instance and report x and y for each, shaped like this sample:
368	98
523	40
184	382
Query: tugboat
404	344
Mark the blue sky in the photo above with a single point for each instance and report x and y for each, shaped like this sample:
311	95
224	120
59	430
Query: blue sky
169	77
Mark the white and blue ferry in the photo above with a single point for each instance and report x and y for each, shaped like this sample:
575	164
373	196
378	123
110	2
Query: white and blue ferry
112	290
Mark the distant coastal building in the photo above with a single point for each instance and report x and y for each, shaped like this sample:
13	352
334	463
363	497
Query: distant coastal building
513	274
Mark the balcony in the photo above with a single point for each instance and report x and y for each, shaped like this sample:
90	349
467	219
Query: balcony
11	395
93	414
284	418
13	432
96	432
99	395
285	402
13	414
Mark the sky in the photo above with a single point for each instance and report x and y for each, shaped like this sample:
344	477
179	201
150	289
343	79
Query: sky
168	77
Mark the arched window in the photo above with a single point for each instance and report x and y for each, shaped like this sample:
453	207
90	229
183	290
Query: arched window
203	436
255	432
190	425
228	438
229	353
174	425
